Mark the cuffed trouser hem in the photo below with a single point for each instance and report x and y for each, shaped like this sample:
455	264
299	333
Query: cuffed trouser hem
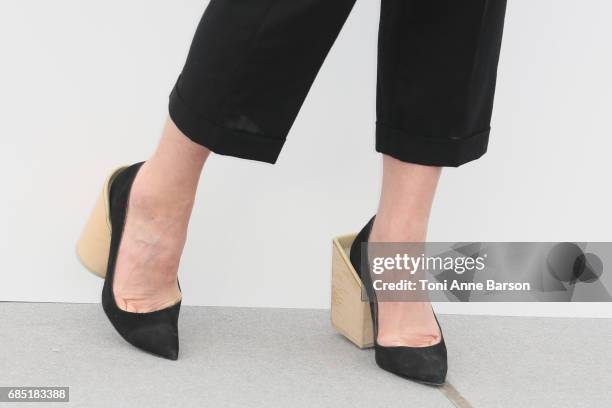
430	151
221	139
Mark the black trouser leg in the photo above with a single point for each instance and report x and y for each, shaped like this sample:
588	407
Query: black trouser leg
249	70
436	78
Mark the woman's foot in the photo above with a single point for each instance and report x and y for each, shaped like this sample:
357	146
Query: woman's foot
404	323
403	215
160	205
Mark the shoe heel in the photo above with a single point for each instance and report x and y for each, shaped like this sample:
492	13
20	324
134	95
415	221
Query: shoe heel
94	243
350	316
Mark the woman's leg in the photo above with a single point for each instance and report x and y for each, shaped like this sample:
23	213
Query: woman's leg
436	83
249	68
160	204
403	213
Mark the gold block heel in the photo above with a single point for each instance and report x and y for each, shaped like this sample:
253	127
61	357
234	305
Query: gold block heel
94	243
350	315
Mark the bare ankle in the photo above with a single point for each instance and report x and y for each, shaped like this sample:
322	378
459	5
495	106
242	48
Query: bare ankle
401	230
149	201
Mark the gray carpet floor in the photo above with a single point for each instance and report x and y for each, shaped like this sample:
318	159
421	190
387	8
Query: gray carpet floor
234	357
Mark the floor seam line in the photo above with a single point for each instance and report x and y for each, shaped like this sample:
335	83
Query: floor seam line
454	396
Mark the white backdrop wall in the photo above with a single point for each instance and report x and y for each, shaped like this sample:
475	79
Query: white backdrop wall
84	87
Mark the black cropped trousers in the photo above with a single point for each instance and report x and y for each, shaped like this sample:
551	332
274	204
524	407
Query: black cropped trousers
252	63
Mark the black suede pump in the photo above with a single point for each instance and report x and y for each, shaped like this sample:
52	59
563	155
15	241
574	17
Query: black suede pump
155	332
426	365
